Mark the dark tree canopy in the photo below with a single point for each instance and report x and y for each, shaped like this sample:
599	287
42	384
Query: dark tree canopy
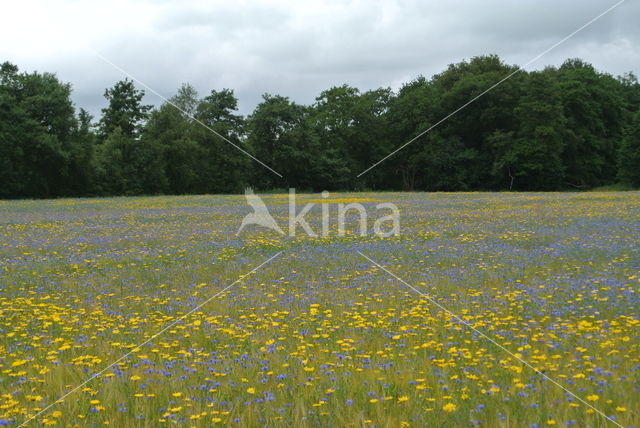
568	127
125	110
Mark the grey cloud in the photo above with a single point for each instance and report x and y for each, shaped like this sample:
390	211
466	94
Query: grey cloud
297	49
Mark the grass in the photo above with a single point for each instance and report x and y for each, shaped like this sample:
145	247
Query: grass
320	336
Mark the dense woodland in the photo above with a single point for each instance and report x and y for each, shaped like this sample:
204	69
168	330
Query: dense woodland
570	127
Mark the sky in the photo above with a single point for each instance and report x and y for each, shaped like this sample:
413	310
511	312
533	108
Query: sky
299	48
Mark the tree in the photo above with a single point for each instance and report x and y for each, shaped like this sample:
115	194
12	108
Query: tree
558	128
125	110
332	118
476	122
173	131
629	153
37	124
275	134
411	112
370	140
593	109
186	100
129	164
530	157
111	160
81	170
223	168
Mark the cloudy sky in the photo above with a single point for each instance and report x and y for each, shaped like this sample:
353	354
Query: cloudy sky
298	48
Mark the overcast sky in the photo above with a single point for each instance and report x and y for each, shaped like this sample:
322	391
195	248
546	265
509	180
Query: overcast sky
298	48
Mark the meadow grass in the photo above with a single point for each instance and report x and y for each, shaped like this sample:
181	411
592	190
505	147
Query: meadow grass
321	336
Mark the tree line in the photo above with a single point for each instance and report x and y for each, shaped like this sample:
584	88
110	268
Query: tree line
567	127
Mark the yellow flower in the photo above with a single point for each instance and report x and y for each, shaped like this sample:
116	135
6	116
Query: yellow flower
621	409
551	422
593	397
56	414
251	390
449	407
216	420
404	398
373	400
177	394
135	378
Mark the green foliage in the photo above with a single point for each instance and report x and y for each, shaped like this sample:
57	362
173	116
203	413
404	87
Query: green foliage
125	110
593	110
554	129
129	162
222	168
278	134
629	154
529	156
37	129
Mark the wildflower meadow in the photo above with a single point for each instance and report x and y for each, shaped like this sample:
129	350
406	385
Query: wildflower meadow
487	310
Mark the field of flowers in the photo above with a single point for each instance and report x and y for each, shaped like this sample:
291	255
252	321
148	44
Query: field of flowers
319	335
